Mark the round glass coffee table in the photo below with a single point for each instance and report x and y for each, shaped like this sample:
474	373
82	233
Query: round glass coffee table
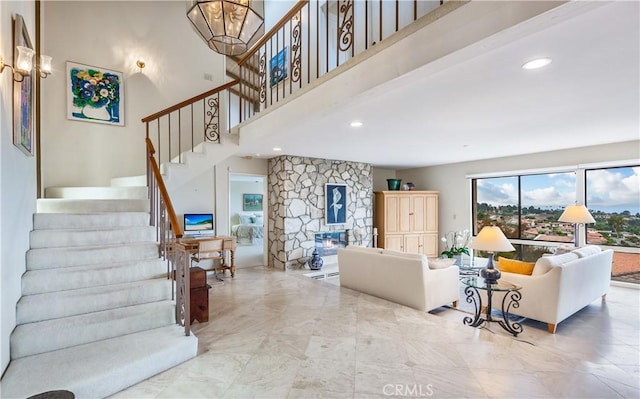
511	300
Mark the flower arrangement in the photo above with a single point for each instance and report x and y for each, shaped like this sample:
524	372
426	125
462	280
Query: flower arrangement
94	88
456	243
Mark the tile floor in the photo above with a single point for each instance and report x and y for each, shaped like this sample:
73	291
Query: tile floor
273	334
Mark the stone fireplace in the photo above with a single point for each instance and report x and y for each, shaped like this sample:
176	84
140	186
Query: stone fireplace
297	206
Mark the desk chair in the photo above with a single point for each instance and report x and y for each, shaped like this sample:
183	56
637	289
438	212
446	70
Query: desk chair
211	249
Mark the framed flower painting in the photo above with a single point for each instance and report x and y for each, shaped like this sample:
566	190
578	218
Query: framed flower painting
94	94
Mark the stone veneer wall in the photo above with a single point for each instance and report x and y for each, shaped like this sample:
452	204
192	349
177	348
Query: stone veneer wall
297	202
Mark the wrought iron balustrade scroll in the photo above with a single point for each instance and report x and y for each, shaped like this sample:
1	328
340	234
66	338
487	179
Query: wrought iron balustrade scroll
179	259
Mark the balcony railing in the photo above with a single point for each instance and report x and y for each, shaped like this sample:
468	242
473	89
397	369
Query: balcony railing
314	38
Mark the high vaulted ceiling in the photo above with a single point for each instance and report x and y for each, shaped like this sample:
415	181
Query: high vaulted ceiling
478	103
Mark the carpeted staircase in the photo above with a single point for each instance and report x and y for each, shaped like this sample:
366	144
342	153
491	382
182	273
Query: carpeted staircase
97	314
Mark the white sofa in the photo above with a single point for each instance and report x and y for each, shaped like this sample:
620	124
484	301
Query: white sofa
398	277
561	285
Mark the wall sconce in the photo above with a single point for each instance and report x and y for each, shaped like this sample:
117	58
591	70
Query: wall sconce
45	66
24	64
140	64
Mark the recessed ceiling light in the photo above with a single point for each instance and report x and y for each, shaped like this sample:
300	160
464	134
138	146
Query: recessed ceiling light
277	149
355	124
536	63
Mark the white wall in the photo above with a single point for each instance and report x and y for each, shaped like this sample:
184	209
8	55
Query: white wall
380	177
17	184
274	10
113	35
196	196
455	188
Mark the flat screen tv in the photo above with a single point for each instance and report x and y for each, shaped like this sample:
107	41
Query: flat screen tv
198	223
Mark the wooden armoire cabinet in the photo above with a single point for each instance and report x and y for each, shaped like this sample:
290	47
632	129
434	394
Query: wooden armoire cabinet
407	221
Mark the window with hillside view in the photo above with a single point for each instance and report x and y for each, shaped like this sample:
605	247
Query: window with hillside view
527	206
613	198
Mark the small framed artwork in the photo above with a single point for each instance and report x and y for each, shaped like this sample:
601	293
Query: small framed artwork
23	94
251	202
335	210
278	67
94	94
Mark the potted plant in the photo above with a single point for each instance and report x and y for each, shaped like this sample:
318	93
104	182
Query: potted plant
456	243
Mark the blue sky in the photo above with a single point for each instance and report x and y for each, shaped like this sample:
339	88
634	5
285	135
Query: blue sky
614	189
608	190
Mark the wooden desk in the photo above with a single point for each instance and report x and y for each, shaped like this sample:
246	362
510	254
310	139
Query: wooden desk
229	245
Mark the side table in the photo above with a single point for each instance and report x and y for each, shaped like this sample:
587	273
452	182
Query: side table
199	295
511	300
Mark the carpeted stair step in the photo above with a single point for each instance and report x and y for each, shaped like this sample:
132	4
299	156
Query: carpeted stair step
76	277
102	368
48	258
128	181
131	192
89	220
49	335
61	205
80	237
32	308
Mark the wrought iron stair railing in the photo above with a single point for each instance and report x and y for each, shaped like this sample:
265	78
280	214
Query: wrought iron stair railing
186	125
309	41
168	231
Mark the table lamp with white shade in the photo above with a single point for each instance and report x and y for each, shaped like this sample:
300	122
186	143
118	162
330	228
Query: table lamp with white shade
576	214
491	239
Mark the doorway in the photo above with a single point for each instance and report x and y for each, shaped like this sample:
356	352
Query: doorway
247	221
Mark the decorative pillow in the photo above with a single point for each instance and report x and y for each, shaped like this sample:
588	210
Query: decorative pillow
245	218
587	250
515	266
441	263
259	220
546	263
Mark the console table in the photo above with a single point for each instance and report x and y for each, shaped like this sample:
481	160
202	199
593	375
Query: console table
511	300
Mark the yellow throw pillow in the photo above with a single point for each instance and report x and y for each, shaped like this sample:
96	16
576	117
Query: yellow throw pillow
515	266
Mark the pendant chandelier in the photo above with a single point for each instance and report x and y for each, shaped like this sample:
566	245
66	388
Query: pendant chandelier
229	27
